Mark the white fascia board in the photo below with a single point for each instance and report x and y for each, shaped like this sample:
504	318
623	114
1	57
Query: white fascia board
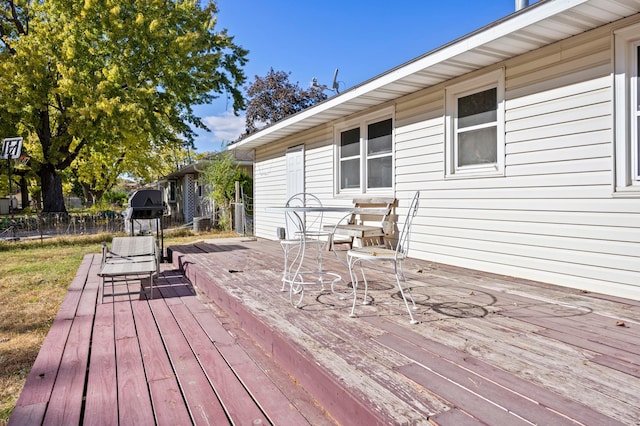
510	24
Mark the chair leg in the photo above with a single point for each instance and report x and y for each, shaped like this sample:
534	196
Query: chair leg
407	289
296	293
365	301
151	285
354	282
285	270
400	277
319	248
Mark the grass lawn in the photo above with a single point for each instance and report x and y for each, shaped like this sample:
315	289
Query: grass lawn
34	277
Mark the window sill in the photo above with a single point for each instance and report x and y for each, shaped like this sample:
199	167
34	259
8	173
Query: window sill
351	194
473	174
627	192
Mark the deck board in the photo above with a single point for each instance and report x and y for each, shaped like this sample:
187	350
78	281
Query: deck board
164	389
205	408
223	380
134	402
467	376
40	381
488	349
101	393
45	368
65	403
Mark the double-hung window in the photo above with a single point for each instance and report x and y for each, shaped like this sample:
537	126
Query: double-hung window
475	127
627	110
365	155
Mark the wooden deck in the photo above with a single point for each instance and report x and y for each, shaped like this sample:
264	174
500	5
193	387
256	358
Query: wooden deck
169	361
488	350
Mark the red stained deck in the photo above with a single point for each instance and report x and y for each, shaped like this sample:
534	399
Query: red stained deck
169	361
488	350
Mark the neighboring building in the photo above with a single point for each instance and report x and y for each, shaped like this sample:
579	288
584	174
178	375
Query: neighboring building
522	136
186	193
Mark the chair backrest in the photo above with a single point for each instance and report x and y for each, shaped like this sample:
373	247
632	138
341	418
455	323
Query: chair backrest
405	235
134	246
377	212
300	222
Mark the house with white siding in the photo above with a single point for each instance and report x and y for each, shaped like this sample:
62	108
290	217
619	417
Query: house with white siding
523	138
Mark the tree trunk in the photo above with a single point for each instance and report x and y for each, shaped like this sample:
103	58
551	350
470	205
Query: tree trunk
24	191
88	195
97	194
53	200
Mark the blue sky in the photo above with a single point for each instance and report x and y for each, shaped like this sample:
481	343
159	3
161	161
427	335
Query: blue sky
363	39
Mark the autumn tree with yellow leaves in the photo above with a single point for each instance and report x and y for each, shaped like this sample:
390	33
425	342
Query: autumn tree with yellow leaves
104	87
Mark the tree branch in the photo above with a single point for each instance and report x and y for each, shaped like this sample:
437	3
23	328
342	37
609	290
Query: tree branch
15	18
72	155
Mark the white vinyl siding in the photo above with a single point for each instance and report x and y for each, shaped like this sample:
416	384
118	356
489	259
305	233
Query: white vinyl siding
270	188
635	111
270	177
553	215
552	218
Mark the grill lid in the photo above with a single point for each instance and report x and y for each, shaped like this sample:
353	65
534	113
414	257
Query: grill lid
146	204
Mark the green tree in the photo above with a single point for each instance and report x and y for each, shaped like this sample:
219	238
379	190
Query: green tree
221	175
105	80
98	172
273	97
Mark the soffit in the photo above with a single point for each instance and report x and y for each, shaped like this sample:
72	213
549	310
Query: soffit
538	25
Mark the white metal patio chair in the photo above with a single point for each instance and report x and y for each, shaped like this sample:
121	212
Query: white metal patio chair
381	254
303	233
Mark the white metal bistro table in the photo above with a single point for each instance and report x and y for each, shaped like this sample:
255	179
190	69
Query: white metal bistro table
295	274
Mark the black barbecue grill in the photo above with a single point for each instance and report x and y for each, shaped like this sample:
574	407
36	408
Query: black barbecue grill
147	204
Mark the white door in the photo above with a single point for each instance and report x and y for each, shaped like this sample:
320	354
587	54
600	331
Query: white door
295	180
295	170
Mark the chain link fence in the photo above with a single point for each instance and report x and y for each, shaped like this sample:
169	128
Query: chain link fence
60	224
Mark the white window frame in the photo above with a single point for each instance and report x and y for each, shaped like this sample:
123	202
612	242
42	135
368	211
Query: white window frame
488	81
626	87
363	123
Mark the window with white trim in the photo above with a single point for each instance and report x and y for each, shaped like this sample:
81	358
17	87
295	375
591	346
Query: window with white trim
475	127
365	155
627	110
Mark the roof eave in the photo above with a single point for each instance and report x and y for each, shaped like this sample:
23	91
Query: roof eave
398	81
